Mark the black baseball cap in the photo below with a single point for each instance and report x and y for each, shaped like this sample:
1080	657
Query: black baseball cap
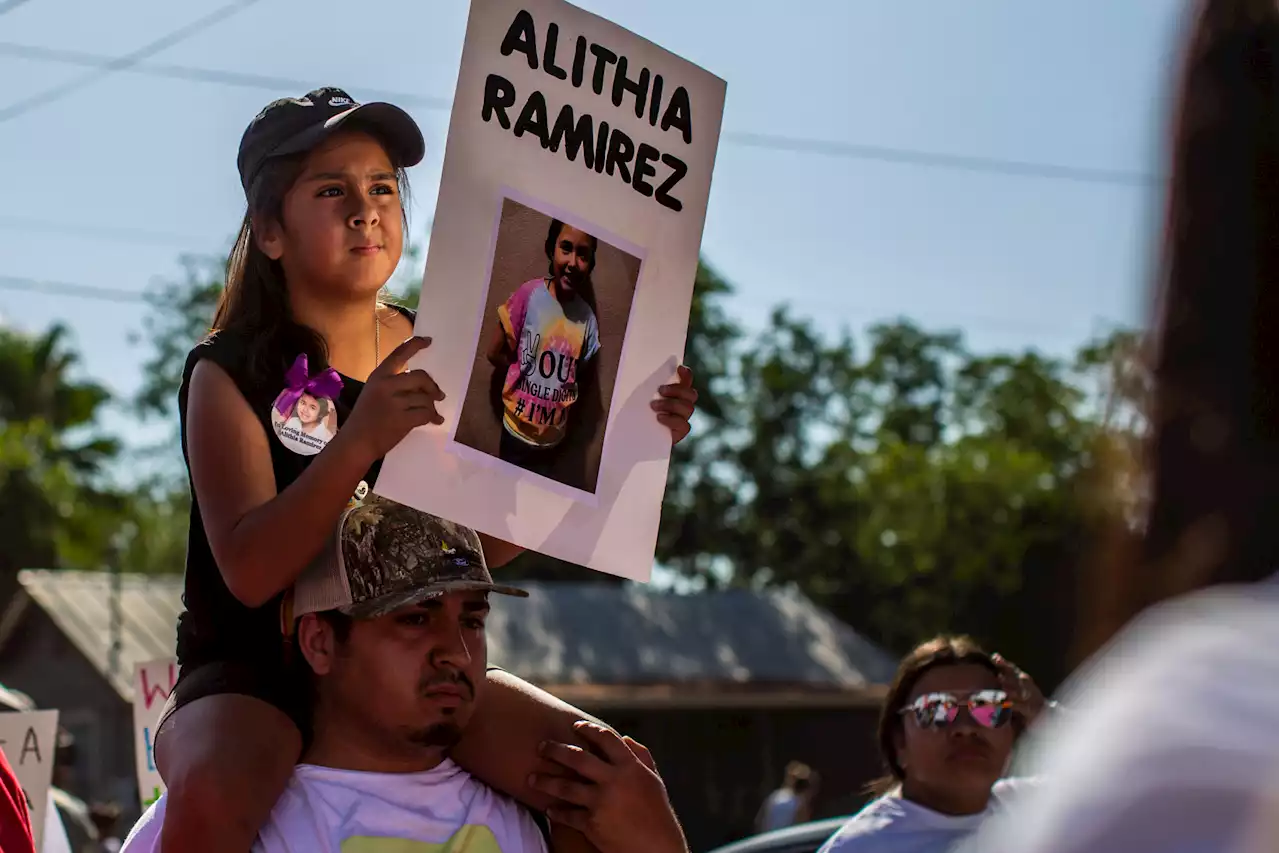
295	125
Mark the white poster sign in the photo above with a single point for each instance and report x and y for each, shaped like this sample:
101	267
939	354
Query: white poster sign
153	681
28	740
558	283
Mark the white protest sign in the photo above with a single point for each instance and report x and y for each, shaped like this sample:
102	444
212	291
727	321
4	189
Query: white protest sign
153	681
29	739
558	283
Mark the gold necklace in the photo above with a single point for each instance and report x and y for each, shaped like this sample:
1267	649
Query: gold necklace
377	339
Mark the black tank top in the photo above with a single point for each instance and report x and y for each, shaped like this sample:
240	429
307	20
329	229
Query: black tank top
215	624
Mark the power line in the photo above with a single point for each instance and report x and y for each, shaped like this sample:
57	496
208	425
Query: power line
206	75
935	160
10	5
83	291
768	142
123	63
122	234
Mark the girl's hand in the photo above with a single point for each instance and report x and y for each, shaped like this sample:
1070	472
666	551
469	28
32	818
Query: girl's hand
618	800
1022	688
676	406
393	402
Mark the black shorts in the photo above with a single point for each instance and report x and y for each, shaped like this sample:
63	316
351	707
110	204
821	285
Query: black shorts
275	683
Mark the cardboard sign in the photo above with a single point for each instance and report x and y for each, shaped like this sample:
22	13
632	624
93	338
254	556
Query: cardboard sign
558	283
29	739
153	681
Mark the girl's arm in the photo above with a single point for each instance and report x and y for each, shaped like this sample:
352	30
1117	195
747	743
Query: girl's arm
500	351
501	742
261	539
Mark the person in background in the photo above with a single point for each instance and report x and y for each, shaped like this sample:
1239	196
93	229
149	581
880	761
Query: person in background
946	733
106	819
1172	741
792	803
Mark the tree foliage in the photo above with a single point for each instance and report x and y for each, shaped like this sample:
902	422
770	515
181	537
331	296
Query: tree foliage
58	508
904	481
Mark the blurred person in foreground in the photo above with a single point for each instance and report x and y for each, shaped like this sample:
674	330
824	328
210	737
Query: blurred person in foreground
792	803
1171	746
388	626
946	732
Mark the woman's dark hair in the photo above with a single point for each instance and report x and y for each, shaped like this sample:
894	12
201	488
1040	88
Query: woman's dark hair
1212	446
940	651
254	304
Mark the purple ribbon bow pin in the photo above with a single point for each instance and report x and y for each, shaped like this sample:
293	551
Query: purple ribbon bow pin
326	383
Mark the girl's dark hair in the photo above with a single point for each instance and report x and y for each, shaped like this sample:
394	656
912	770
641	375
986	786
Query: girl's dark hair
553	234
254	305
587	291
940	651
1212	446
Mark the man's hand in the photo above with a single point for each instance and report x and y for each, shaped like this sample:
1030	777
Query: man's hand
618	800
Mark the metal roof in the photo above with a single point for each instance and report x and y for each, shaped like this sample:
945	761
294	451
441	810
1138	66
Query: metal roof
563	634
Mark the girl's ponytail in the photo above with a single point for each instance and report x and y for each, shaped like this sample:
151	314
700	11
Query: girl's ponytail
254	305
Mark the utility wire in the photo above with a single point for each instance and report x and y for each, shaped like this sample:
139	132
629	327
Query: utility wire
125	62
206	75
111	233
83	291
768	142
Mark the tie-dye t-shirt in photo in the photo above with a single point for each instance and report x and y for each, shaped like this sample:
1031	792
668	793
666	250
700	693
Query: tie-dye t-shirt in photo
551	340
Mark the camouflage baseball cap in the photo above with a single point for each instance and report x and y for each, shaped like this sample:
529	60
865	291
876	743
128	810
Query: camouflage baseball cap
386	555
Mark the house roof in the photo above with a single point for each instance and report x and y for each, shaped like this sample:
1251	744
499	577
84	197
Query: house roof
564	634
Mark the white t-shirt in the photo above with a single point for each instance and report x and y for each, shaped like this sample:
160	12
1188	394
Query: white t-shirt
892	824
1172	742
325	810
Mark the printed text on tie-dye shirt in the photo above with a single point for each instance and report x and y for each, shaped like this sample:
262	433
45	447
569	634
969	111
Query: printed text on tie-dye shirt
551	339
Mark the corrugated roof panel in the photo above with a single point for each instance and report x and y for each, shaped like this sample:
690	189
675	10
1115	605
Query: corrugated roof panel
562	634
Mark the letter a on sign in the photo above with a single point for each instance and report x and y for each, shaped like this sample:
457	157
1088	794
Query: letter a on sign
27	739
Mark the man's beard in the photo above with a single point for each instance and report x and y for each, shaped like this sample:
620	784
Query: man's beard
446	733
437	736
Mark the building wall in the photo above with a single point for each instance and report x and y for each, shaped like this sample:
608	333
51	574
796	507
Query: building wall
720	765
41	662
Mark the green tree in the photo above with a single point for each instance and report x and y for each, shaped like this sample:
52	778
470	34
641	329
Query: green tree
59	510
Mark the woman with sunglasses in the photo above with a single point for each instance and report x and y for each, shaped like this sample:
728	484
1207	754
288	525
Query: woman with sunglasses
946	733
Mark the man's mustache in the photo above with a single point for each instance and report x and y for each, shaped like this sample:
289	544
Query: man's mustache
447	677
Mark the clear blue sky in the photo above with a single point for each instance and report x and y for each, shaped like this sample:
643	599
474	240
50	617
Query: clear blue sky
1014	261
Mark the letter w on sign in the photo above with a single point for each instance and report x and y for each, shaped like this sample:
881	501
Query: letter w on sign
153	681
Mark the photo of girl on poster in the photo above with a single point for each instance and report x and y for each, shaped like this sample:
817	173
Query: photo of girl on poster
545	344
549	345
